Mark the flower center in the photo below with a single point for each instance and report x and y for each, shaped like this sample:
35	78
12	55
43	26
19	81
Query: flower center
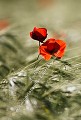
53	47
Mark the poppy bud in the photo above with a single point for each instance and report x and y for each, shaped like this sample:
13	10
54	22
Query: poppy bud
39	34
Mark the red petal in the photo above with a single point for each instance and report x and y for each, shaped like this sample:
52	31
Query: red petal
51	40
61	42
42	31
53	47
35	29
31	34
42	51
61	51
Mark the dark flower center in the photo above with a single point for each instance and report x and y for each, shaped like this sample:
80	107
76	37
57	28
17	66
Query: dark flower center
53	47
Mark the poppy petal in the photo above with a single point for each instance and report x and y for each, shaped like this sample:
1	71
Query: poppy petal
31	34
43	31
35	28
42	51
61	51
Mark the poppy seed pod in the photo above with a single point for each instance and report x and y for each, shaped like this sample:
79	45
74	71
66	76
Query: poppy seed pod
51	48
39	34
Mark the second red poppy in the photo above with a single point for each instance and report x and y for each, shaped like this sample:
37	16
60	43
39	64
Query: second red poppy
39	34
51	48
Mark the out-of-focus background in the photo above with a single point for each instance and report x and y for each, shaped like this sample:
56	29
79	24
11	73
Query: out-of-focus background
62	18
26	92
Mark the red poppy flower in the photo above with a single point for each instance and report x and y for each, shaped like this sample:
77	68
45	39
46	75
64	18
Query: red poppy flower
39	34
3	24
51	48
